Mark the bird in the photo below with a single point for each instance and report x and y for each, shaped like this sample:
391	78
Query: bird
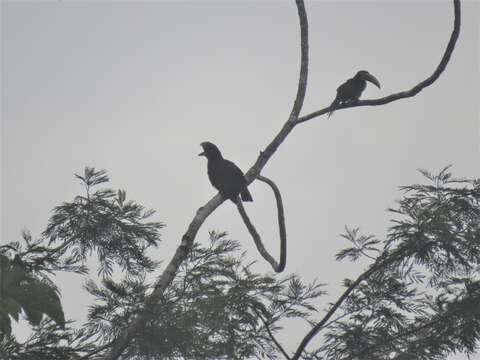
351	89
224	175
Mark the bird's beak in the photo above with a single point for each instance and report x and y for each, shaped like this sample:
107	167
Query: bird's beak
202	154
372	79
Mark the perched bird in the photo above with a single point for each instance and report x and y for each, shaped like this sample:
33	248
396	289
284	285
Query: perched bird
351	89
224	175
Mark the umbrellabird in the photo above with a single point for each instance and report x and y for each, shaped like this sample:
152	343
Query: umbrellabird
224	175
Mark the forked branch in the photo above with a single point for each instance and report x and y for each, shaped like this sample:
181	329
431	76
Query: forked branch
408	93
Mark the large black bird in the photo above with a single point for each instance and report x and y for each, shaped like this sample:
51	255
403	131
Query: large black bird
224	175
351	89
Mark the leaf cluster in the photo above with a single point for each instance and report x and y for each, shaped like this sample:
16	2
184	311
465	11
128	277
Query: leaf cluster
103	221
21	291
420	298
213	310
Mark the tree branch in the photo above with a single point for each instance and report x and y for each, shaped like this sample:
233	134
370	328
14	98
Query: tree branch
277	344
256	238
281	221
408	93
186	244
277	267
314	331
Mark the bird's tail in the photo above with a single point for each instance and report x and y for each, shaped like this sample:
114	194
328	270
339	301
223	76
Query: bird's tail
245	194
333	105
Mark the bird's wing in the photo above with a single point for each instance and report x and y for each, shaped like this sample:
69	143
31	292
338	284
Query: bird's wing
234	179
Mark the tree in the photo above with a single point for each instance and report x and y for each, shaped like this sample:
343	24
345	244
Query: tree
418	299
254	173
217	307
383	313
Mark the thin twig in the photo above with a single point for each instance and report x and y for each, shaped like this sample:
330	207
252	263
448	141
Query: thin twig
403	94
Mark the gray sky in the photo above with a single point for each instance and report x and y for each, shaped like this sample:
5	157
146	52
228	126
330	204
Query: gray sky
134	88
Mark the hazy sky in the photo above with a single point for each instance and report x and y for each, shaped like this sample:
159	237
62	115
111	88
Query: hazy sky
134	87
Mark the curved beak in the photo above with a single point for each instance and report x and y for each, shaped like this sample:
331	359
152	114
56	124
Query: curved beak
370	78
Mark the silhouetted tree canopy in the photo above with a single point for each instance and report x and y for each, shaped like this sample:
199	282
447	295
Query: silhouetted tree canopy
418	299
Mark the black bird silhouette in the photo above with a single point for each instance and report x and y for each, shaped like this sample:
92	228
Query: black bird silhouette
224	175
351	89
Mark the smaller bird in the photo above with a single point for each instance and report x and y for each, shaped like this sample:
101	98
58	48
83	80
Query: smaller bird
351	89
224	175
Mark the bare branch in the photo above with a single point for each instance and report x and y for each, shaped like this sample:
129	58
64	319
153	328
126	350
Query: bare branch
297	106
281	221
256	238
277	267
408	93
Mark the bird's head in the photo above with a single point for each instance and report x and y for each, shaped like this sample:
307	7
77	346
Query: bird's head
210	151
365	75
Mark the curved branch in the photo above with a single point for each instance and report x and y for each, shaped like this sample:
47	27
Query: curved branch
297	106
281	221
277	267
403	94
256	238
186	244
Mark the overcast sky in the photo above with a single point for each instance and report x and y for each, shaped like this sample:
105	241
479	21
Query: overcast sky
134	88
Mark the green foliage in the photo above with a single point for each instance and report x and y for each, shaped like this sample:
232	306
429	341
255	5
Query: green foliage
419	299
362	245
105	222
48	341
20	291
421	296
102	221
211	311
